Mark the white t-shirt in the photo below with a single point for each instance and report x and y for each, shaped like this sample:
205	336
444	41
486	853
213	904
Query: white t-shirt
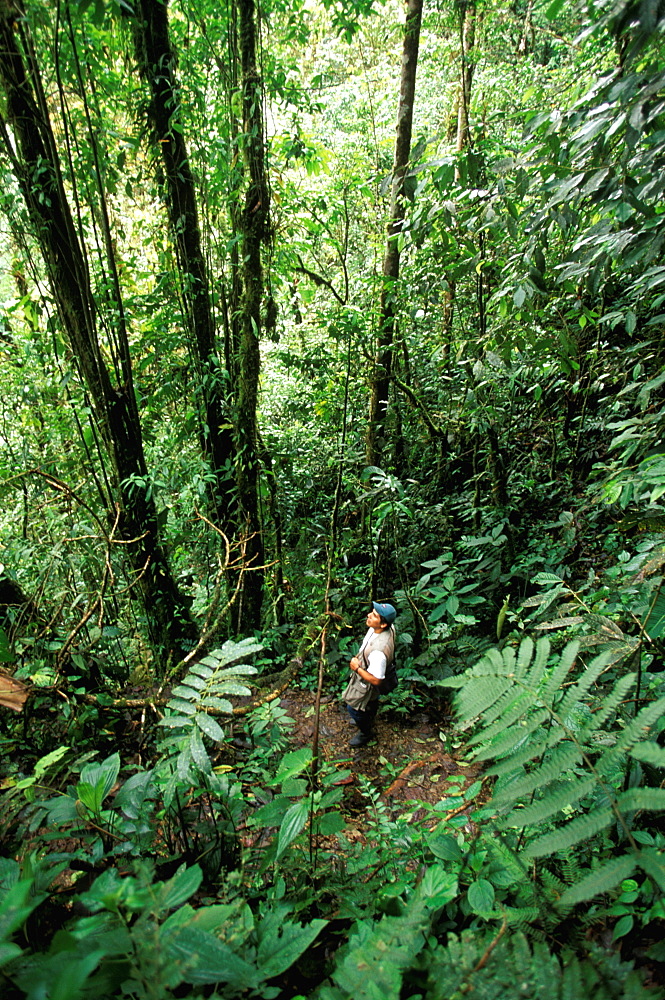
376	661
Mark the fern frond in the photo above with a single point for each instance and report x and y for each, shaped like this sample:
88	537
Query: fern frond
508	661
508	709
554	887
206	688
524	657
641	799
531	752
511	862
612	701
600	880
558	763
641	724
650	753
557	677
578	829
539	666
513	737
479	694
549	806
652	862
520	916
575	694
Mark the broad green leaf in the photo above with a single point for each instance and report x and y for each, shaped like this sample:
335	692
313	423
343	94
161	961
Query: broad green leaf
184	707
210	727
281	943
178	890
185	693
16	906
210	701
199	752
438	886
205	959
234	689
291	764
293	823
330	823
100	777
444	846
176	721
44	763
6	655
481	896
554	9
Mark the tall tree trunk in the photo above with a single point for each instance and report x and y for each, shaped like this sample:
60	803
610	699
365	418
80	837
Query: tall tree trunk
255	229
37	168
383	363
157	62
525	44
467	44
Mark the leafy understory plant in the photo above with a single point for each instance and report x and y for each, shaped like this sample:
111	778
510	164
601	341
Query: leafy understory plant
203	694
599	629
143	938
569	774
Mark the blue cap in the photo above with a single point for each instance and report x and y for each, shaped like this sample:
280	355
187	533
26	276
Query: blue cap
386	611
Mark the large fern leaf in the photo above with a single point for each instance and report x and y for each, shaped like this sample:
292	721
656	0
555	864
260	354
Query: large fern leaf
554	802
602	879
539	721
580	829
558	763
203	694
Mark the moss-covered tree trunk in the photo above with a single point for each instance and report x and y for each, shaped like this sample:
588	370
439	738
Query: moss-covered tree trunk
380	388
157	62
32	151
255	225
467	67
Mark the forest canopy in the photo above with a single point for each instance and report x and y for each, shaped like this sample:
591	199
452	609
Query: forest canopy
302	306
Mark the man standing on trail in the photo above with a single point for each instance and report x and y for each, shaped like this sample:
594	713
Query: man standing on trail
368	668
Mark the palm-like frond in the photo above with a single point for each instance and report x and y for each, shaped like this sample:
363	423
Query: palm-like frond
539	720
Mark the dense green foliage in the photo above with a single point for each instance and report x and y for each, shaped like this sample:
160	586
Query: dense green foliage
194	208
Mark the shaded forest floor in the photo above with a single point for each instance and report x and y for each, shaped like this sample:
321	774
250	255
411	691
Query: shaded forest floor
407	761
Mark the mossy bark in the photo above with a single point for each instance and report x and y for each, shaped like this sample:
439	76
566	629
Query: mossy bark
157	62
255	230
381	378
36	165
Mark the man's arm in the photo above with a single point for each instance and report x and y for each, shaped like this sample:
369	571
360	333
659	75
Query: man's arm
366	675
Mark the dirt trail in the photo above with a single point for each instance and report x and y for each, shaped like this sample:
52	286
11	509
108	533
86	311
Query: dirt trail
407	761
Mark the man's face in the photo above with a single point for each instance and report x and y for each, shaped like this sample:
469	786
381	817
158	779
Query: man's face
373	619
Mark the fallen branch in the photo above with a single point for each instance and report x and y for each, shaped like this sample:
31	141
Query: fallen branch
400	780
162	701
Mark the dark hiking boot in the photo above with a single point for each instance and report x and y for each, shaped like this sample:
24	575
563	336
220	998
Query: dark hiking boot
360	740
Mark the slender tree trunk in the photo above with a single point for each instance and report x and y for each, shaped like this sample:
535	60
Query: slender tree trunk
525	44
255	227
383	362
158	64
468	42
37	168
